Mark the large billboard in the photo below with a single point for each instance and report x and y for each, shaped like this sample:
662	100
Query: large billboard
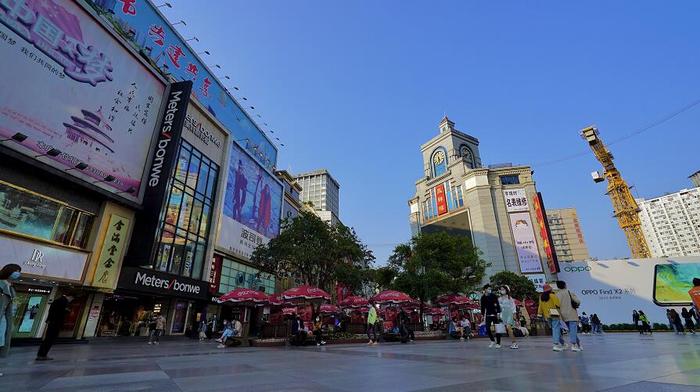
73	96
525	243
140	22
252	205
613	288
545	234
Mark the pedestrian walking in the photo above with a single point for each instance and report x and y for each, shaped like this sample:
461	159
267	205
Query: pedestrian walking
57	314
202	330
671	323
568	305
158	330
596	324
8	274
644	320
508	314
490	308
635	321
585	323
318	333
688	317
372	324
549	310
676	318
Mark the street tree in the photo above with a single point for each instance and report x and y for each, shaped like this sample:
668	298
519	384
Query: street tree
317	253
438	263
520	286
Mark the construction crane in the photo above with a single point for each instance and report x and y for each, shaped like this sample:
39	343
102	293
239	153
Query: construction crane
626	208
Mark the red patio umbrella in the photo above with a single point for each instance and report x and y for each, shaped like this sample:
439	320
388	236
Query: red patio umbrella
435	312
244	296
306	292
453	299
392	297
354	301
275	299
329	309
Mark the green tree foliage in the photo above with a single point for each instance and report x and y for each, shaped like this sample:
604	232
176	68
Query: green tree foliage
434	264
315	252
520	286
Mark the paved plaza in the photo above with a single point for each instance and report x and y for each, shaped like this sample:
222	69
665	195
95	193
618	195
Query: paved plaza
614	362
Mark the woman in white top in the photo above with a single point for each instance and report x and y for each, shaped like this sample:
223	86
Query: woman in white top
508	311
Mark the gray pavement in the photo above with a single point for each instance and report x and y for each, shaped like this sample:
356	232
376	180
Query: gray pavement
613	362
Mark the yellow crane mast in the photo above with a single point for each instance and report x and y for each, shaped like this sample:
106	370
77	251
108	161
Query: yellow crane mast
626	208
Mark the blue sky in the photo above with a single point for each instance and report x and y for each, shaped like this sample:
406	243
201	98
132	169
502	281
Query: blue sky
356	87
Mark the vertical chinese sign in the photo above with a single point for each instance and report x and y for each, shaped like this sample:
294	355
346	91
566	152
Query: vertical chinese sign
215	274
109	262
525	244
545	234
441	199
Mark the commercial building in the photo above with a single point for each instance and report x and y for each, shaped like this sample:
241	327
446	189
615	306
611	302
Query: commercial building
491	205
322	193
146	140
292	195
567	236
695	178
671	223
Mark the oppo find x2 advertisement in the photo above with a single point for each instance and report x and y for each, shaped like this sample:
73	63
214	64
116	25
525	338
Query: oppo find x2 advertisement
673	281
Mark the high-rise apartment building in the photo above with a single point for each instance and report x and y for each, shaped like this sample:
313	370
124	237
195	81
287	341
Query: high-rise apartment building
491	205
567	236
671	223
321	192
695	178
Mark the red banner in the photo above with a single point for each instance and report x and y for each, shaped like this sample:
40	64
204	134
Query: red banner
544	234
441	199
215	274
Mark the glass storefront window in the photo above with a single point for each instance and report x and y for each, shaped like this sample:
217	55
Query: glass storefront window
26	213
188	214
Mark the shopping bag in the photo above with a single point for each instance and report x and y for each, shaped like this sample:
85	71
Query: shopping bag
500	328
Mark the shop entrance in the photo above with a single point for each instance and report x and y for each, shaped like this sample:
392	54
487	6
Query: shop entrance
31	305
125	315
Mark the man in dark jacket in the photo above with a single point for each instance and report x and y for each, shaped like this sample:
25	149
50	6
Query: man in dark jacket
57	314
490	308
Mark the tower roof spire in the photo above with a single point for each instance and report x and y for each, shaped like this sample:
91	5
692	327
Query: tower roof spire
446	125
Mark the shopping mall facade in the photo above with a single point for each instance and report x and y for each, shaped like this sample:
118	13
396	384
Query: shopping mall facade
142	190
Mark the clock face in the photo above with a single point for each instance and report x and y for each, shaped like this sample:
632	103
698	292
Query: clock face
439	157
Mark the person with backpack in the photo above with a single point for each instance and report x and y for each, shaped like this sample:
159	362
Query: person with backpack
569	304
548	309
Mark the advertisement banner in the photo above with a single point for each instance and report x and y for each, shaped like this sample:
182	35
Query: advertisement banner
95	107
161	169
110	259
140	22
441	199
203	135
252	205
516	200
525	243
545	234
43	260
215	274
613	288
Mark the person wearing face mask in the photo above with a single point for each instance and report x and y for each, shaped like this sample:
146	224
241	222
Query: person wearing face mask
490	308
8	274
508	311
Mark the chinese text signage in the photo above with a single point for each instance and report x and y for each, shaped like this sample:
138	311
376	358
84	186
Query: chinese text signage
441	199
538	280
525	244
151	34
111	253
545	234
516	200
95	107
